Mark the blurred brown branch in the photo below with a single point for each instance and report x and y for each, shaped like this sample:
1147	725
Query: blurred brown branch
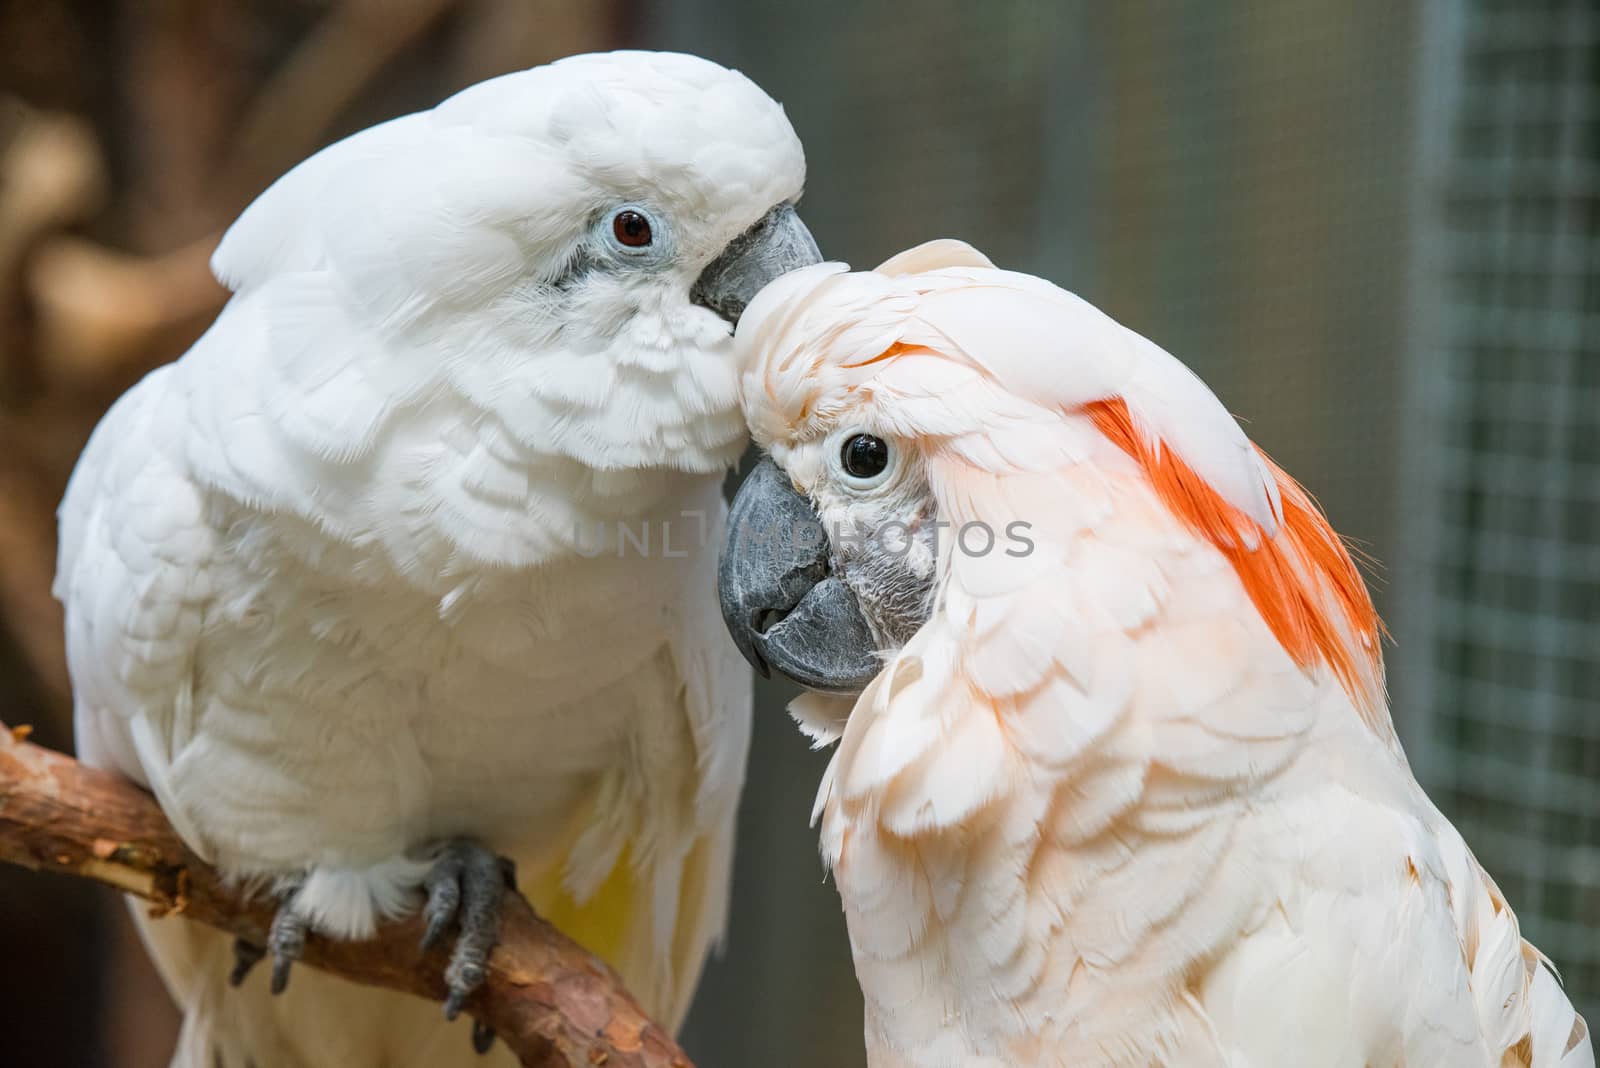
551	1001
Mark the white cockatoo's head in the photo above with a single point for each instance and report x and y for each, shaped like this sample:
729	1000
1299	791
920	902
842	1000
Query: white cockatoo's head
565	248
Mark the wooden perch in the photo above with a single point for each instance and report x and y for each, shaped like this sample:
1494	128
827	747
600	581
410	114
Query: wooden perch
551	1001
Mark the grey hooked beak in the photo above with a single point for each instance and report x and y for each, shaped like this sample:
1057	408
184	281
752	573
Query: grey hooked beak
777	244
782	606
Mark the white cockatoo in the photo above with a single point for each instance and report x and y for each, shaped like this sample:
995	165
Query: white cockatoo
1125	790
411	557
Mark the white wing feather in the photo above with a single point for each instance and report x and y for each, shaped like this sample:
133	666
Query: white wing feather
134	570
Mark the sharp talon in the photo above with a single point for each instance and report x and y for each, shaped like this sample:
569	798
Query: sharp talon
482	1037
280	974
245	957
287	941
435	931
453	1003
443	887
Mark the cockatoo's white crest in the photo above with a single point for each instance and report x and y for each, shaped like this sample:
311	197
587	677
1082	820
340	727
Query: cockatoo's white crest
523	163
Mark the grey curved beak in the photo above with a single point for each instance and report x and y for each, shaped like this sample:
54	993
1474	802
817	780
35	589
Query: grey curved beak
777	244
783	608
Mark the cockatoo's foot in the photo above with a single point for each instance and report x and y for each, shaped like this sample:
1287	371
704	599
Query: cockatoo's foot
286	941
464	882
464	889
245	957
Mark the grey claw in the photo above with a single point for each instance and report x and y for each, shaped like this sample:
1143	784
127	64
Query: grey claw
245	957
462	977
287	941
464	888
443	887
482	1037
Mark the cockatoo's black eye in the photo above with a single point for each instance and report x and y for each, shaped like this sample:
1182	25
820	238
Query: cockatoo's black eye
631	228
864	456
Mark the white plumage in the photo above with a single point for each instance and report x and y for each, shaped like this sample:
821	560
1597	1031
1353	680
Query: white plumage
346	578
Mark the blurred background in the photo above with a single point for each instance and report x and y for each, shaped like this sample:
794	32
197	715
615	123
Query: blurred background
1374	229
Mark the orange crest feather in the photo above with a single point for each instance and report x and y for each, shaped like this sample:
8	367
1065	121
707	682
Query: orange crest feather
1303	582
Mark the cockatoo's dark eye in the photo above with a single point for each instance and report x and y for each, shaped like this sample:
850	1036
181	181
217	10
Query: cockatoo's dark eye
631	228
864	457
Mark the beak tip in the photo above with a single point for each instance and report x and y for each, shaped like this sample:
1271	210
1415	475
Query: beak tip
775	245
736	617
746	639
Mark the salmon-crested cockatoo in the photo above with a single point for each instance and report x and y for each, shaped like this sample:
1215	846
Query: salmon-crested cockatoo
1120	786
410	560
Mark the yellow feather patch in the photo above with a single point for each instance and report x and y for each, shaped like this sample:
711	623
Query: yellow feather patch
600	924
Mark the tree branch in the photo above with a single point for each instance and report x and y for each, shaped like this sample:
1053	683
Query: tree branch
552	1002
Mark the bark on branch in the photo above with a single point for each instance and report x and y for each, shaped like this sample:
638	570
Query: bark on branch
552	1002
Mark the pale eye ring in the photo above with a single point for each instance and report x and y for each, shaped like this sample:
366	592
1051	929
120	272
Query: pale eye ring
865	460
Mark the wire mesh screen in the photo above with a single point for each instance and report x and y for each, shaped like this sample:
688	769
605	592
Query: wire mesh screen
1511	503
